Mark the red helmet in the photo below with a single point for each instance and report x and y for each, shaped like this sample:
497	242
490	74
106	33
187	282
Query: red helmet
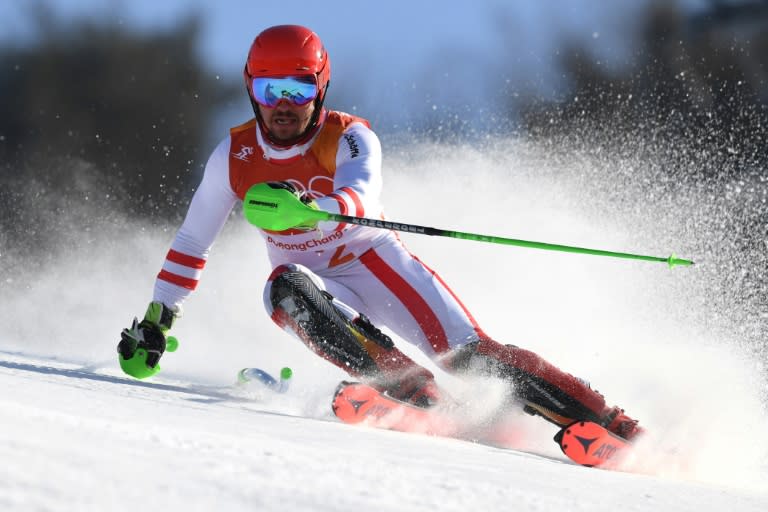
289	50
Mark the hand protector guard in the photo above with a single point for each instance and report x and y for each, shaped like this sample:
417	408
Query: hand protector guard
278	206
142	345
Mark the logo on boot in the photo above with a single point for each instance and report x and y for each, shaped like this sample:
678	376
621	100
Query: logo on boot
586	443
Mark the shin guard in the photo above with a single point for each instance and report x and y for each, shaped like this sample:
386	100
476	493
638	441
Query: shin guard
354	345
544	389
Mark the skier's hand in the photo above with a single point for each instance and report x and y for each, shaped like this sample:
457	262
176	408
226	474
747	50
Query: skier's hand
303	197
277	206
142	345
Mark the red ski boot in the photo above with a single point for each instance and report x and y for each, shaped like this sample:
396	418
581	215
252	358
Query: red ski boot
622	425
419	390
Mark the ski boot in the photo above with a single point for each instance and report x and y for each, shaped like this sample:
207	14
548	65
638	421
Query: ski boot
617	422
543	389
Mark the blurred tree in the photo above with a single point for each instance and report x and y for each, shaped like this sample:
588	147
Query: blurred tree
682	126
96	113
701	81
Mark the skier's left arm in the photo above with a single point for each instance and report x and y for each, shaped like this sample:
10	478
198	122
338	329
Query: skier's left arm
357	182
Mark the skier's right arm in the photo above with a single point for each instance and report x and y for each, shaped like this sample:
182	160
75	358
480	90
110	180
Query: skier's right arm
144	342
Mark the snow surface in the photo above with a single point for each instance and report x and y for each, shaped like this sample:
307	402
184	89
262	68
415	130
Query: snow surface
75	434
79	440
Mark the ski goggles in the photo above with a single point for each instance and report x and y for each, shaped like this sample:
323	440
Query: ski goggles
270	91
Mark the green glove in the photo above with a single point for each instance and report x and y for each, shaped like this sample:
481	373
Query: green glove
286	207
142	345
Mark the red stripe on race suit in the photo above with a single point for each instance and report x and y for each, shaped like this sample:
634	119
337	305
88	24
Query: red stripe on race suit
411	299
359	210
184	282
480	333
342	204
342	209
185	259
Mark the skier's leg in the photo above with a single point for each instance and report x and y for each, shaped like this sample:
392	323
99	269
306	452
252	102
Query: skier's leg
544	389
405	296
421	308
297	300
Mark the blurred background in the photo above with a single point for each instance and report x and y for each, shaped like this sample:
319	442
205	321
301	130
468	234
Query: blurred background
118	103
109	110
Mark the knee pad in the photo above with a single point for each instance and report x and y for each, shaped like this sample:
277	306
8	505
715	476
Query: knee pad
298	304
276	273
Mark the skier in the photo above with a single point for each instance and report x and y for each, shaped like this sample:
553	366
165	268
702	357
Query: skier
335	285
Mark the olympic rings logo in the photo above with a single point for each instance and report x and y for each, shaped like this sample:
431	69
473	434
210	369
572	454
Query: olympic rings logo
319	186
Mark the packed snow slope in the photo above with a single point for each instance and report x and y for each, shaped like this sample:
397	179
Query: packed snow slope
77	435
75	440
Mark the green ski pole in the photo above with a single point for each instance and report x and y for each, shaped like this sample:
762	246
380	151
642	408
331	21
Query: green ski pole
278	210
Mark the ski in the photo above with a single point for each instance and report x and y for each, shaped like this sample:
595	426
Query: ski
360	403
584	442
281	385
590	444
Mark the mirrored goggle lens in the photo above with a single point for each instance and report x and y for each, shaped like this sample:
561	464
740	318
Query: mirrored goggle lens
270	91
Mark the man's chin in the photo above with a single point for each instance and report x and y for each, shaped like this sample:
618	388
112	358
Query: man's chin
279	137
283	132
284	135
